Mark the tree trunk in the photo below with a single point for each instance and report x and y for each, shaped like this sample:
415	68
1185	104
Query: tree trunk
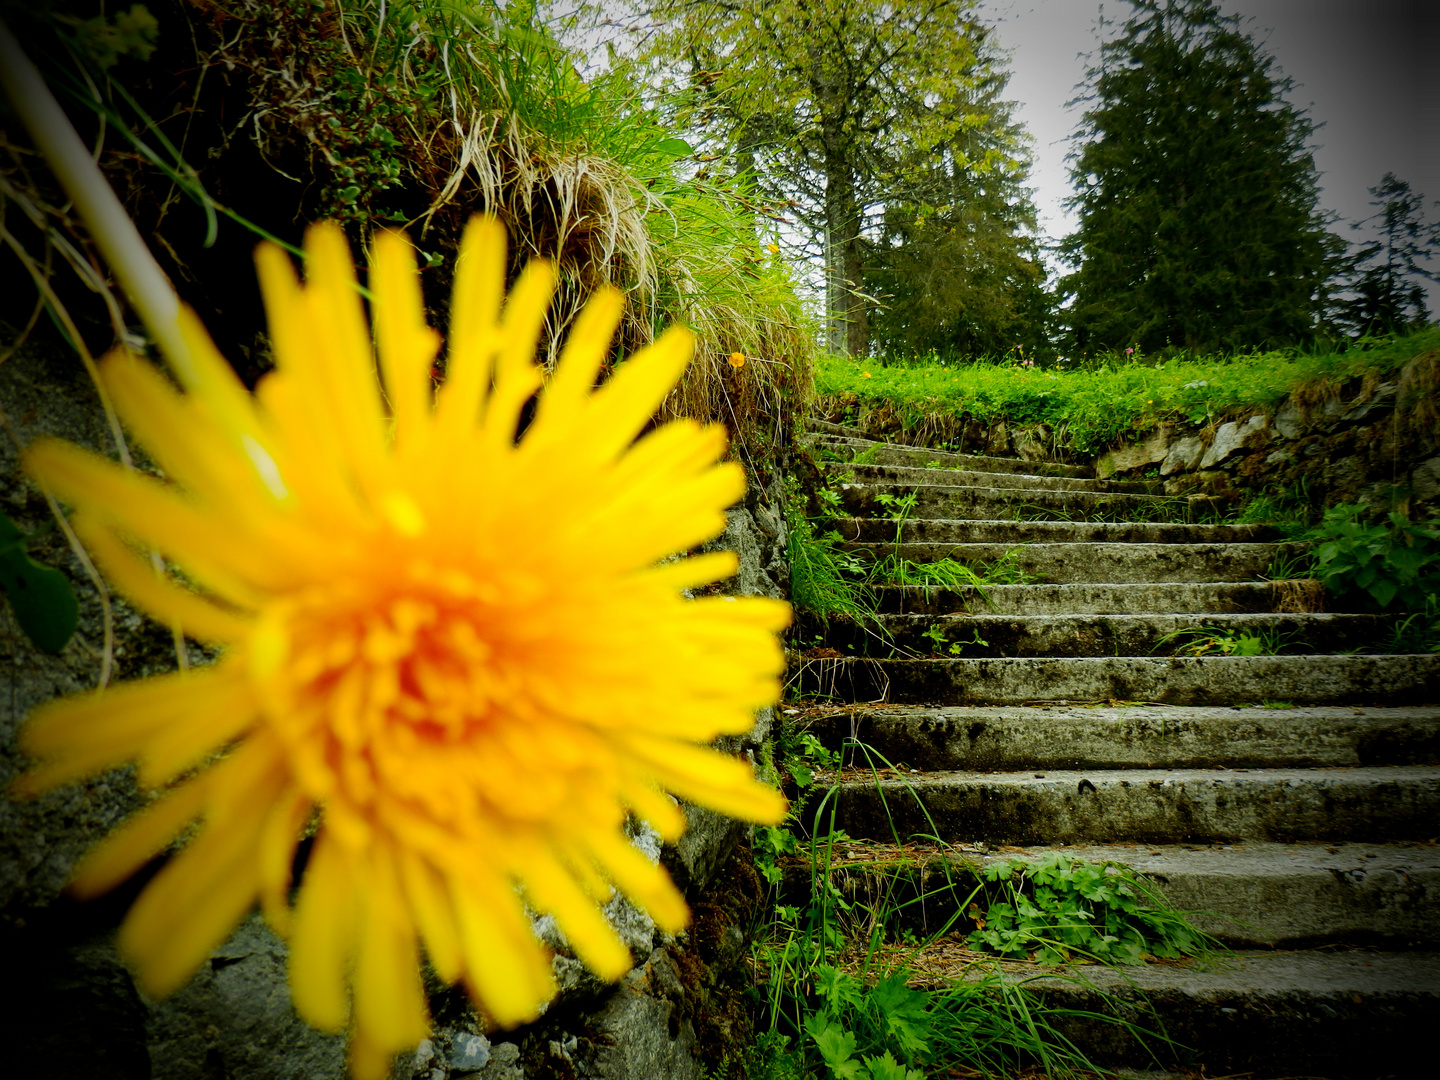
844	309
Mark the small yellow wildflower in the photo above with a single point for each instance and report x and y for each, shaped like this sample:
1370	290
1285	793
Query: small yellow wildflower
774	249
737	360
459	653
864	375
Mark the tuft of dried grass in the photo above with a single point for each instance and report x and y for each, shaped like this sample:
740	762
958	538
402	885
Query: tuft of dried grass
498	121
1298	595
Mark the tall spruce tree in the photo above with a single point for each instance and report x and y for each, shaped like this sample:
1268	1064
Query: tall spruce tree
1387	280
1196	192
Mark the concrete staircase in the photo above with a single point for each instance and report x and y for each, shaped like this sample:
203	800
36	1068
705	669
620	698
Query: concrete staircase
1293	799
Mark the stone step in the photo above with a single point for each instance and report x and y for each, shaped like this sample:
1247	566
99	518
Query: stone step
1116	564
954	476
825	428
969	530
842	448
1245	895
979	635
1411	679
1148	806
988	503
1016	738
1348	1013
1201	598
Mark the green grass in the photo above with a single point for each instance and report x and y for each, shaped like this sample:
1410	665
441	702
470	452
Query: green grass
841	991
1092	407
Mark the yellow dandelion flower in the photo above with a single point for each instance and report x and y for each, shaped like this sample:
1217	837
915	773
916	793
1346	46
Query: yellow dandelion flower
461	654
774	249
737	360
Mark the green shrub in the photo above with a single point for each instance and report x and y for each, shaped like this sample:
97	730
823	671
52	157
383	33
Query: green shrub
1385	565
1062	908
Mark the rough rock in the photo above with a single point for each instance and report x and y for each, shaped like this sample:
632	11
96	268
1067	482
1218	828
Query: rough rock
235	1020
1184	455
1136	456
636	1036
1232	437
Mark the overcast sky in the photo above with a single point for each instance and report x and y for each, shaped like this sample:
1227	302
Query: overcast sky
1365	69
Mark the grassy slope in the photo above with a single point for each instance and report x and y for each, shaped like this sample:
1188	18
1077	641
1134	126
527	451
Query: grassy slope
1096	407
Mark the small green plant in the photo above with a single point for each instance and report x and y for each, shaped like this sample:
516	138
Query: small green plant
1385	565
1418	632
935	634
824	578
40	596
1217	641
1062	908
1290	564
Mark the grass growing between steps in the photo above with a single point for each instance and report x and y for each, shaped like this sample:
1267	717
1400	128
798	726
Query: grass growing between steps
1090	407
849	983
826	580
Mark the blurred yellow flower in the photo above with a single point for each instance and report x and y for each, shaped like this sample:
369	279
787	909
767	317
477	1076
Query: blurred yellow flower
737	360
774	249
458	658
864	375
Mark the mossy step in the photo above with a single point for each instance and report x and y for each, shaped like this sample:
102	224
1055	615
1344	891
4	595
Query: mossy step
1412	679
1156	806
983	634
1346	1013
1117	564
954	476
1009	738
1140	598
941	531
1040	504
1245	895
884	453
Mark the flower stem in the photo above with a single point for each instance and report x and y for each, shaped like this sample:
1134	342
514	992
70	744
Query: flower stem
119	241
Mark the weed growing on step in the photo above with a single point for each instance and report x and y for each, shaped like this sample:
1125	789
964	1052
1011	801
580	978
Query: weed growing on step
936	635
1061	909
1289	510
825	579
894	569
1219	641
1389	564
841	989
1418	632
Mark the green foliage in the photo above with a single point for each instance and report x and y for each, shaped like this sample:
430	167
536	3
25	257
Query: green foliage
1218	641
105	41
838	1004
1196	192
1418	632
956	265
1061	908
1385	565
825	579
1094	406
40	596
828	107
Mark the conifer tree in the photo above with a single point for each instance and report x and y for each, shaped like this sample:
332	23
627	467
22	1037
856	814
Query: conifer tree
1387	280
1196	192
956	267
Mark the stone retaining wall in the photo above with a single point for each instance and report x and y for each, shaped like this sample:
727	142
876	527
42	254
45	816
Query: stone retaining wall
1369	441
